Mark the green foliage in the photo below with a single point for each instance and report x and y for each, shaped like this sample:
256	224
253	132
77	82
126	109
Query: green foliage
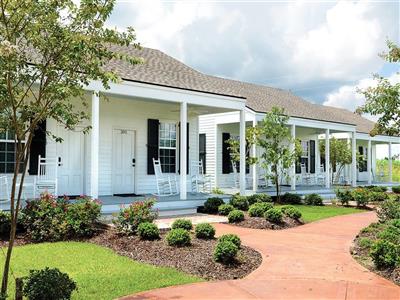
389	210
391	234
291	212
211	205
395	223
205	231
178	237
383	99
231	238
396	189
235	216
385	254
361	196
5	222
289	198
344	196
313	199
148	231
376	188
375	196
217	191
274	215
225	252
259	198
365	243
48	284
339	155
130	217
225	209
50	219
182	223
239	202
258	209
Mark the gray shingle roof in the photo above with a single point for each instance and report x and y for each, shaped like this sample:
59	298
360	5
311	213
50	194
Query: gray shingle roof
161	69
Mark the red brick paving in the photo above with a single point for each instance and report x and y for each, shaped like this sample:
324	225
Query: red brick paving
306	262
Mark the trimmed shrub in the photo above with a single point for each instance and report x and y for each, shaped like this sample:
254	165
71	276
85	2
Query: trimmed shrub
205	231
178	237
5	222
148	231
389	210
390	233
385	254
375	188
258	209
313	199
225	252
396	189
239	202
395	223
290	198
182	223
291	211
255	198
51	219
378	196
211	205
365	243
136	213
225	209
344	196
235	216
231	238
274	215
361	196
48	284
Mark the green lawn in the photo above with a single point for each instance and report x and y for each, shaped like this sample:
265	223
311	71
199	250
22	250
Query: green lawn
315	213
98	271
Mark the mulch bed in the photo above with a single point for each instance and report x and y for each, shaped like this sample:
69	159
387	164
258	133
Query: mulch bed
262	223
361	255
196	259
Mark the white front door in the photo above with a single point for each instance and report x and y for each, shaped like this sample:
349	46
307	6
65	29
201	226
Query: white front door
123	161
71	162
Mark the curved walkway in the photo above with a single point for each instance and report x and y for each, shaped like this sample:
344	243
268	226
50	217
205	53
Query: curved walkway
306	262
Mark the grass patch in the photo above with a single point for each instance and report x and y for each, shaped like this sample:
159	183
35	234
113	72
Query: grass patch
314	213
98	271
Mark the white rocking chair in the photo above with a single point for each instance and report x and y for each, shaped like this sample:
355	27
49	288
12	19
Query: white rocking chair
167	185
201	183
236	177
321	176
305	176
46	180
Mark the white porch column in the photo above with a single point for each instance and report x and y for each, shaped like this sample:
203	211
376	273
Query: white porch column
242	179
293	168
183	151
353	159
390	163
369	162
94	161
327	159
254	166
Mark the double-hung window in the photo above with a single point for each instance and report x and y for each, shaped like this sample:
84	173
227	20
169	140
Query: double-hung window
8	152
167	147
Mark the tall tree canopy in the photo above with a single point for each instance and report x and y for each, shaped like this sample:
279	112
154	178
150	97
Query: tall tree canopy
383	100
50	50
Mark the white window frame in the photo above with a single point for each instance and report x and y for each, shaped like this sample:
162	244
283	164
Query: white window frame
8	140
170	140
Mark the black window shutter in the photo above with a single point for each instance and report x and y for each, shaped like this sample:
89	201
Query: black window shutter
312	156
202	150
152	143
187	149
226	156
247	156
298	166
38	147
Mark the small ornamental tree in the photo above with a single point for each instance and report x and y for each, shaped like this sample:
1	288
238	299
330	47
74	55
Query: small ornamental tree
383	100
50	50
340	155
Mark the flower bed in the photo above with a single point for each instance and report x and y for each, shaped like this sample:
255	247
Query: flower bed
262	223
